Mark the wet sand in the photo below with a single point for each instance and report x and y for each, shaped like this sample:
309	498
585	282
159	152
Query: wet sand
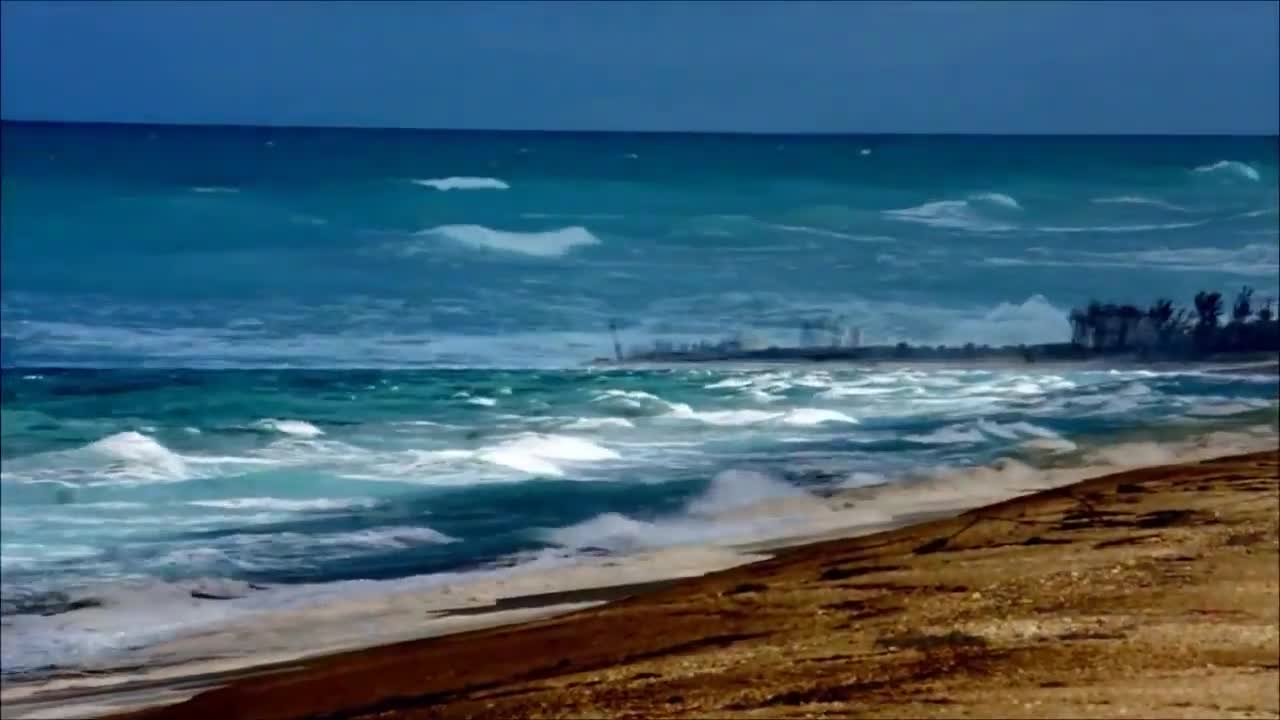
1152	592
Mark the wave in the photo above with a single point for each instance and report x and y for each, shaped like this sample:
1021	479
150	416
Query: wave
1230	168
1254	259
215	190
996	199
599	423
533	453
1139	200
1148	227
823	232
287	505
138	456
714	516
954	215
463	183
982	430
632	402
806	417
722	418
296	428
549	243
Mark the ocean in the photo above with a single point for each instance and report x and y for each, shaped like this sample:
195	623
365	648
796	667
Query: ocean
307	361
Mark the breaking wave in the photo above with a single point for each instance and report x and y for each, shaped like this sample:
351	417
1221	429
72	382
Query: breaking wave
960	214
1230	168
546	244
296	428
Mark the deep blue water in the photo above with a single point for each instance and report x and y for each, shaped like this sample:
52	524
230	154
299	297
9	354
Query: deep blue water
304	357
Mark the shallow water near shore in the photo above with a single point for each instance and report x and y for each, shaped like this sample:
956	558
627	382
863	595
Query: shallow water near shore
191	497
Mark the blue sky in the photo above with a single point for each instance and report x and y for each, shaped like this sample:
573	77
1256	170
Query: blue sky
989	67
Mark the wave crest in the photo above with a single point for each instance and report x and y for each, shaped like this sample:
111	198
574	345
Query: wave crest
958	214
1230	168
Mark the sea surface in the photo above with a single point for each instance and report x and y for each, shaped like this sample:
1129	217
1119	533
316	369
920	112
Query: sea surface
313	361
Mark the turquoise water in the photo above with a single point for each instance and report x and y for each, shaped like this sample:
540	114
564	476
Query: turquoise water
300	359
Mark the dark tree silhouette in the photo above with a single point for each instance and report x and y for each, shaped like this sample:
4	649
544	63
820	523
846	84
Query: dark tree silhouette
1208	308
1129	316
1264	313
1241	310
1162	319
1093	323
1079	327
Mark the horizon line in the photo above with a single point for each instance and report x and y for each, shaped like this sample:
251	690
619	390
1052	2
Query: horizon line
582	131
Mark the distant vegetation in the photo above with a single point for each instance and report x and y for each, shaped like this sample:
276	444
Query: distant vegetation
1158	333
1161	331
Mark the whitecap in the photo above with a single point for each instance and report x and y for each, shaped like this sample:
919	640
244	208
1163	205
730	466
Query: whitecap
463	183
296	428
549	243
1231	168
533	453
815	416
286	504
948	214
1139	200
1111	229
138	456
599	423
722	418
482	401
996	198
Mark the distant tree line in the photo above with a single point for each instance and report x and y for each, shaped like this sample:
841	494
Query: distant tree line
1165	331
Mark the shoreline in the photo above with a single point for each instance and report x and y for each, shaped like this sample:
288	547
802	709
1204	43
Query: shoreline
1270	366
172	671
1142	593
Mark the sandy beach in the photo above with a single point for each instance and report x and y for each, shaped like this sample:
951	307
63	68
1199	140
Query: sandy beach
1165	576
1146	593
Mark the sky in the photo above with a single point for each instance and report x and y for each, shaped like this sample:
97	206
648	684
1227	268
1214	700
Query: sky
1151	67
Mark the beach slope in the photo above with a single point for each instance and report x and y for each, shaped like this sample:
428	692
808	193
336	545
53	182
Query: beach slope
1145	593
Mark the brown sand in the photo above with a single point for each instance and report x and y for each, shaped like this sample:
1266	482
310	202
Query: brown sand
1148	593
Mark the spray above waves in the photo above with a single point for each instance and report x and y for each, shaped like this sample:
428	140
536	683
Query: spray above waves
463	183
543	244
737	504
1233	169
